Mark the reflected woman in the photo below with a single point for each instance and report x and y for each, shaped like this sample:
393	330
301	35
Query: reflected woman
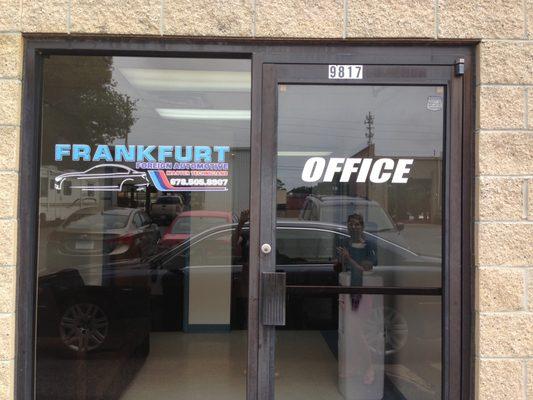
357	254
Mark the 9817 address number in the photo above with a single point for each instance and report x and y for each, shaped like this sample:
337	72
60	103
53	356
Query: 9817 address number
348	71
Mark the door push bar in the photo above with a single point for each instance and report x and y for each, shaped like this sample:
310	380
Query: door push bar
274	286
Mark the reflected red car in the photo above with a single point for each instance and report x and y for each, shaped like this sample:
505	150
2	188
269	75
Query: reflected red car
190	223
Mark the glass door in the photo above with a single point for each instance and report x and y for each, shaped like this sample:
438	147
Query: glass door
354	274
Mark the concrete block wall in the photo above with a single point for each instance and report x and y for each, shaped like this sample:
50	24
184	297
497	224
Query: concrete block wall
504	132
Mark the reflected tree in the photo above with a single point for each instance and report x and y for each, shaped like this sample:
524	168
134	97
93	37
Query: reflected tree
81	104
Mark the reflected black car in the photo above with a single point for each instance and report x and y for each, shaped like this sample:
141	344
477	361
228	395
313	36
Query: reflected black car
76	319
305	251
92	339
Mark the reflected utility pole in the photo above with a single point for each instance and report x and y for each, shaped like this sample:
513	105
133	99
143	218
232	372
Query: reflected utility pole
369	122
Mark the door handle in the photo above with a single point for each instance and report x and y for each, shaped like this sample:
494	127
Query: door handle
274	286
266	248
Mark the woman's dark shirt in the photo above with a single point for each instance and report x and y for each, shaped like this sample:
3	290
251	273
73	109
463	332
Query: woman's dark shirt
366	253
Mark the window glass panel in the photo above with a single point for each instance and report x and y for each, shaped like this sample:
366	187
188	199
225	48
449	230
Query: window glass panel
196	224
126	141
44	187
365	347
372	152
359	204
304	246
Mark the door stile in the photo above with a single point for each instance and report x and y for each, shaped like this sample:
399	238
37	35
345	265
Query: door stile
452	298
468	288
266	334
255	217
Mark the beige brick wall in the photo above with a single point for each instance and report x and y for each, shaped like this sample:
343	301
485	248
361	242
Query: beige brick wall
504	131
10	103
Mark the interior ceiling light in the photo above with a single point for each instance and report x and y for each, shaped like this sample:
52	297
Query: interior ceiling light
188	80
204	114
303	153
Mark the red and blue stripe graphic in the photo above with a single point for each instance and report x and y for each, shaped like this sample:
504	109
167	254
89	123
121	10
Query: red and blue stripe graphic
161	182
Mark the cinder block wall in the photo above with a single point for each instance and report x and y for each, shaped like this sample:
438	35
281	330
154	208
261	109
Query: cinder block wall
504	132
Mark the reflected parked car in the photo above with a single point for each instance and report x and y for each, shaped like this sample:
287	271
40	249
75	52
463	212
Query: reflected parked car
305	251
335	210
84	202
166	208
190	223
109	234
77	319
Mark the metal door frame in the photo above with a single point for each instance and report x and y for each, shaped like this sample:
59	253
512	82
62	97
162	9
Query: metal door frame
451	79
261	52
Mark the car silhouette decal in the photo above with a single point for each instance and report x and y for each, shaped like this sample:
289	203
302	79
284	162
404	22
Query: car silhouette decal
81	180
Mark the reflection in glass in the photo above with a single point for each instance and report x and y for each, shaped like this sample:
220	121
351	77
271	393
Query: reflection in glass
336	124
346	217
139	156
386	348
333	122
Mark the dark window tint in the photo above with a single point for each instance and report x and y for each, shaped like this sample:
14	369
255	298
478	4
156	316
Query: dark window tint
306	246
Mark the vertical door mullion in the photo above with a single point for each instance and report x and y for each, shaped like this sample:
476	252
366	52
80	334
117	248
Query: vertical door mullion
267	189
255	206
467	279
453	228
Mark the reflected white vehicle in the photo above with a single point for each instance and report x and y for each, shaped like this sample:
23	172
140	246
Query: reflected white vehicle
103	177
335	209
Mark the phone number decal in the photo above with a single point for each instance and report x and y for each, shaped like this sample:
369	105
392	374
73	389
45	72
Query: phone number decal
198	182
165	184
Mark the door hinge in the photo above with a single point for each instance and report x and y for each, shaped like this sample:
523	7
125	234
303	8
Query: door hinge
459	67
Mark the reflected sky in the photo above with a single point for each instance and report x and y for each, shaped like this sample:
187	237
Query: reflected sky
331	120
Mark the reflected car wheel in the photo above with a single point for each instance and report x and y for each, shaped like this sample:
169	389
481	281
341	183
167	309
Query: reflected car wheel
83	327
395	330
